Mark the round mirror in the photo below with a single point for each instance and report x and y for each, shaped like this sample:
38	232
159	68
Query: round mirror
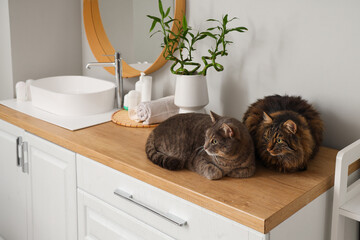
123	26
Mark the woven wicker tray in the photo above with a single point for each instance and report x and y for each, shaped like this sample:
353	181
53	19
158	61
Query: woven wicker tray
121	118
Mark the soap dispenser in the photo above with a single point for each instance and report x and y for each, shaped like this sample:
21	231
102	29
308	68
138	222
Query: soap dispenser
143	86
139	84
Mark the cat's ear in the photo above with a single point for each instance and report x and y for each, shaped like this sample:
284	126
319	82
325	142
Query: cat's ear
214	117
267	118
290	126
229	132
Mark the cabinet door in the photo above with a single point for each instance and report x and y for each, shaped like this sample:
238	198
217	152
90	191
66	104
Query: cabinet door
52	198
99	220
13	224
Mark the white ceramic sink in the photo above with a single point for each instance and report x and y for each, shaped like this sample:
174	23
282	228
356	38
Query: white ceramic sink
73	95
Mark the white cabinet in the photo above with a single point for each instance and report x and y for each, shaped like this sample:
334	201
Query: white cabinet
52	198
13	209
99	220
38	195
144	212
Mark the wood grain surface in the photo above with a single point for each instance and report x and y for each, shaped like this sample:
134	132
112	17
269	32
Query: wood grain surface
260	202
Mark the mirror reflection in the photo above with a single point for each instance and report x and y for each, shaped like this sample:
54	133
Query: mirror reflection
127	27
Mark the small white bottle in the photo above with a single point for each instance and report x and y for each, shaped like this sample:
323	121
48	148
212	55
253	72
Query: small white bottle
139	84
126	101
146	89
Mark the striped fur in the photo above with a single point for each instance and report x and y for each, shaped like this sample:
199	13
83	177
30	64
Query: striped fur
287	131
212	146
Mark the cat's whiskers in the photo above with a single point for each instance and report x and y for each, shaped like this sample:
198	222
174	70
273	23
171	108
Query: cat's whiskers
216	159
200	149
215	156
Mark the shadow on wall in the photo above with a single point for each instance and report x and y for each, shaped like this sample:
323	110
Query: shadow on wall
234	94
335	127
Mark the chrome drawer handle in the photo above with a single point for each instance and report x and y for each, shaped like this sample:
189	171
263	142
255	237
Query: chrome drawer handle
19	152
172	218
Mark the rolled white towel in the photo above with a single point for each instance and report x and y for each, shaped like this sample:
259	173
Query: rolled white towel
156	111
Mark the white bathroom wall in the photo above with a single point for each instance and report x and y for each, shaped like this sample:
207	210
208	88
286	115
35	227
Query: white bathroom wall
307	48
6	78
45	38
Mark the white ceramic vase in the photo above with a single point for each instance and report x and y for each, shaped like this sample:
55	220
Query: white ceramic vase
191	93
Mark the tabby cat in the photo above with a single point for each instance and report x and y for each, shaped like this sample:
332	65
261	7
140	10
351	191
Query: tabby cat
286	130
212	146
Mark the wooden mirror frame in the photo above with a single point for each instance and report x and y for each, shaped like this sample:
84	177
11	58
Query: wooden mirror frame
101	46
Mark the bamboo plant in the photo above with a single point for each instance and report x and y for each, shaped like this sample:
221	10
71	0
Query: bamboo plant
179	47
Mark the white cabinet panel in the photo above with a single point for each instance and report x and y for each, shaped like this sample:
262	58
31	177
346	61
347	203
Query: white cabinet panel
13	224
99	220
101	182
53	190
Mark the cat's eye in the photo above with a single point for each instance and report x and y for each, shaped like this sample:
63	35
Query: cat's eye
279	140
214	141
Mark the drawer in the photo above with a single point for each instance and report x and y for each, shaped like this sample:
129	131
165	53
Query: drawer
102	181
99	220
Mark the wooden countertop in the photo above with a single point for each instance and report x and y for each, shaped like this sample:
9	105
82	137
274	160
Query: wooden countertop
260	202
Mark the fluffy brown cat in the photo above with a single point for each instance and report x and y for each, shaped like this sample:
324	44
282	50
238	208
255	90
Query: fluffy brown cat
287	131
212	146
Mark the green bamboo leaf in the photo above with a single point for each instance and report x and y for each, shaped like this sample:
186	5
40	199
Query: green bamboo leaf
172	33
169	21
155	33
212	20
153	26
241	29
161	9
184	23
225	20
184	38
167	12
233	19
238	29
209	34
202	36
154	18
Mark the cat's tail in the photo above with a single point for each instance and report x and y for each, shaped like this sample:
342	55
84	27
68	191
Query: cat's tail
159	158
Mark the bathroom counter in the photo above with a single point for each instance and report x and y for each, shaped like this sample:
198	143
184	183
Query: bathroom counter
261	202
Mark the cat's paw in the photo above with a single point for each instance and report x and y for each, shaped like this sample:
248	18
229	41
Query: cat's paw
212	172
242	172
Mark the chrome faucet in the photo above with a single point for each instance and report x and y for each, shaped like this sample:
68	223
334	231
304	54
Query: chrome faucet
117	64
